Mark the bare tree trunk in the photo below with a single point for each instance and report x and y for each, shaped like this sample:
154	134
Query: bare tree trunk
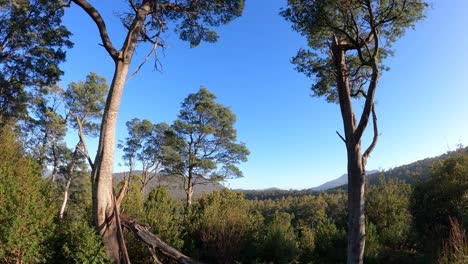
103	196
356	160
189	188
65	196
189	195
71	168
55	166
356	219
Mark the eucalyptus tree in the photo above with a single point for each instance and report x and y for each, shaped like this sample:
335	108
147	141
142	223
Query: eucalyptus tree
201	146
32	45
144	21
84	101
348	41
143	148
43	132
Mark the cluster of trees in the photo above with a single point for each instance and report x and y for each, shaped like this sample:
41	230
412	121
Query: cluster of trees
421	223
200	146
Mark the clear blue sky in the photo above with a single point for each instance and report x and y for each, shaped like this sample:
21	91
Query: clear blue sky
422	102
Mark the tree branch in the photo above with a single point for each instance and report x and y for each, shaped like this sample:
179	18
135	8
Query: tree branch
375	138
153	242
99	21
342	138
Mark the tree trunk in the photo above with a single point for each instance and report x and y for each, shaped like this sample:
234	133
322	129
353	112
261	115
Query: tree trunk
65	197
356	219
189	195
103	196
356	168
189	188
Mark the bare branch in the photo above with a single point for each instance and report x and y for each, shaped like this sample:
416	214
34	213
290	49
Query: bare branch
342	138
375	138
141	232
123	191
99	21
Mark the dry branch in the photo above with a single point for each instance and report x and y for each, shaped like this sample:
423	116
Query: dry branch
154	243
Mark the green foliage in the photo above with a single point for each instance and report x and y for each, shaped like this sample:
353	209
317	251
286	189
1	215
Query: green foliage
330	243
388	209
80	243
27	205
163	215
279	244
194	28
364	30
438	199
85	101
224	227
132	203
32	42
306	240
202	142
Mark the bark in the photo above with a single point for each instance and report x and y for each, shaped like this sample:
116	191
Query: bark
103	196
65	197
189	187
71	168
105	211
356	219
356	161
154	243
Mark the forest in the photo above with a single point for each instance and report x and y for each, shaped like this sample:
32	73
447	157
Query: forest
62	202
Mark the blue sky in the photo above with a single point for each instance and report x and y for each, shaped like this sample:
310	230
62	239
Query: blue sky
421	102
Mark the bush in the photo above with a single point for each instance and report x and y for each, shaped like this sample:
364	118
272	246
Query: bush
27	205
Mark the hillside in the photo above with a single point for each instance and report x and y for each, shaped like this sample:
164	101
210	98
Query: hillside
175	184
409	173
338	182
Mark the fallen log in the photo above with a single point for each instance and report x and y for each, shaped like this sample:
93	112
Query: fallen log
154	243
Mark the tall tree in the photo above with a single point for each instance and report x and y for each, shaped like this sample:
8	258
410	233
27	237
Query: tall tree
144	145
203	145
348	40
85	101
144	22
32	42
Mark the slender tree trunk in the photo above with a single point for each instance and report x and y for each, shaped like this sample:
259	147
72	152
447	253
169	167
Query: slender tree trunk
189	195
71	168
356	219
103	196
189	188
55	166
356	168
65	196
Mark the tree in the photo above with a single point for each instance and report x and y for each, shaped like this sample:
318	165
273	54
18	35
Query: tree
27	205
46	128
202	144
348	41
223	227
144	22
85	104
144	145
32	42
439	199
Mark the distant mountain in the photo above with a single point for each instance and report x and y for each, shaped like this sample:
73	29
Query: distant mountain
174	183
338	182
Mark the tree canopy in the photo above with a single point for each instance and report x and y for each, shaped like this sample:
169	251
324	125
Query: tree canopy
33	42
202	143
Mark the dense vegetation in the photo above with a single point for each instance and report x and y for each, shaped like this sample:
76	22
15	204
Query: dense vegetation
420	223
